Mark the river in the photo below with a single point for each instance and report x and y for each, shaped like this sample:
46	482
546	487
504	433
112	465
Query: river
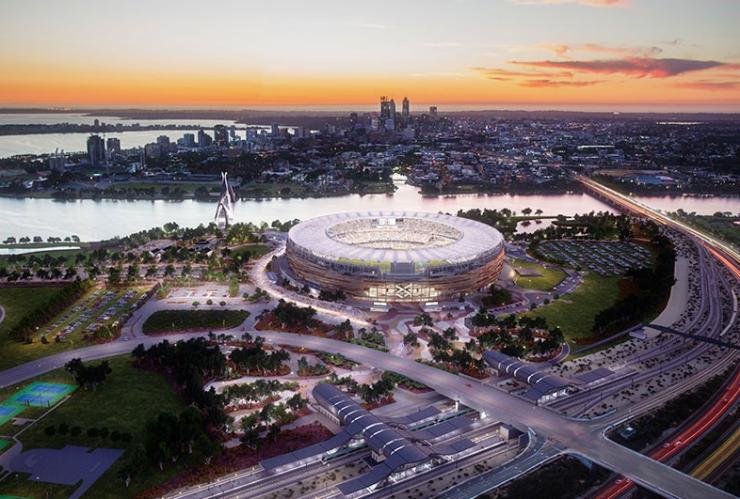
93	220
11	145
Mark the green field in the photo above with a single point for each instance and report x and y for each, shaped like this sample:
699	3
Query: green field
574	313
179	320
123	403
549	276
17	303
254	250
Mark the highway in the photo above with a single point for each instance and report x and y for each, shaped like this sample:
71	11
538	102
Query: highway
577	437
715	257
724	452
687	437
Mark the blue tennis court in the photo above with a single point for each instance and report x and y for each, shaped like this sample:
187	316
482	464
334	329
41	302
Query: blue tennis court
8	412
40	394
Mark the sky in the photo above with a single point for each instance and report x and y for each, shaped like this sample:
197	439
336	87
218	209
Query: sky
535	54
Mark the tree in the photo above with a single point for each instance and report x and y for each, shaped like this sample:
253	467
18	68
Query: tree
423	319
450	334
133	272
411	340
273	432
88	376
205	448
296	402
251	439
114	276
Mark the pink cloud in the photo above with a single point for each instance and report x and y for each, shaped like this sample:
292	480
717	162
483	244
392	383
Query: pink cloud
506	74
545	83
638	67
563	50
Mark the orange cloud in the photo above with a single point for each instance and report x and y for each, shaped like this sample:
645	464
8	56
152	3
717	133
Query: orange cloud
507	74
711	86
544	83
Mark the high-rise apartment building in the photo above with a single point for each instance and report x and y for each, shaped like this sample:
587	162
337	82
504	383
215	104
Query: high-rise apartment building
113	145
96	150
221	135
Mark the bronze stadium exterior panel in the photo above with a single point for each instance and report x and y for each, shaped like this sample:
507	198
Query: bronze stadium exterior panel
407	275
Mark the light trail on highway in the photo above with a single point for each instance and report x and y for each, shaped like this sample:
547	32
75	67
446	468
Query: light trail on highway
729	259
724	452
686	438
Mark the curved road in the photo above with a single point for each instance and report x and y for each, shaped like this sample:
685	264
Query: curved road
579	438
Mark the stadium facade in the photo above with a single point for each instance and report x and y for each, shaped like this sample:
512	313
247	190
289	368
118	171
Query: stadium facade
398	256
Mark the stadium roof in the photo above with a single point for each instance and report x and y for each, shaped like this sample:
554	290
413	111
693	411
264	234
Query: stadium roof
475	239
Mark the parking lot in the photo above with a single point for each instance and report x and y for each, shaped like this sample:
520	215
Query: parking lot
606	258
100	308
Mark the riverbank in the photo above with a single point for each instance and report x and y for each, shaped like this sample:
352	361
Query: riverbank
102	219
173	191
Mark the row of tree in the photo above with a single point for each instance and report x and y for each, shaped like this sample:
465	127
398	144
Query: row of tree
650	290
26	328
254	358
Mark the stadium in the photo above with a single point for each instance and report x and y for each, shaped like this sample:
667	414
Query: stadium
395	256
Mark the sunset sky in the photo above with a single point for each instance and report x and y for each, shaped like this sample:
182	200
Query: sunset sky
609	54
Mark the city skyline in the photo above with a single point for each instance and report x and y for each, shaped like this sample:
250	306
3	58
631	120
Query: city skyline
532	54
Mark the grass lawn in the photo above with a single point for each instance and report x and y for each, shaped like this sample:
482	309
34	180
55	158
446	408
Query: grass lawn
17	303
254	250
575	311
127	399
17	487
549	276
179	320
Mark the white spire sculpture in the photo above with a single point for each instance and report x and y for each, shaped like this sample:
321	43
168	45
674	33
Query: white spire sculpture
224	212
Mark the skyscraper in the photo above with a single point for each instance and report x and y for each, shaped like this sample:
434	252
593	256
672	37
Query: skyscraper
405	111
433	112
188	140
385	108
204	140
96	150
221	135
387	113
113	145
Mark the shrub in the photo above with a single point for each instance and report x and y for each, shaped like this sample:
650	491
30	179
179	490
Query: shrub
75	431
50	430
104	432
93	432
63	428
